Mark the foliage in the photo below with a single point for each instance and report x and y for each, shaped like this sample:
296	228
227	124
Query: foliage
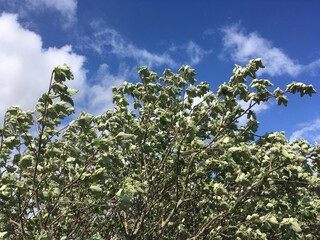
160	165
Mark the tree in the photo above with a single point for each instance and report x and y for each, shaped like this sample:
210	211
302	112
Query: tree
159	165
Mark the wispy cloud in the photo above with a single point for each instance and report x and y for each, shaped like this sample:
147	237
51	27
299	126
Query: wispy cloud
242	46
313	67
106	40
309	131
66	8
195	52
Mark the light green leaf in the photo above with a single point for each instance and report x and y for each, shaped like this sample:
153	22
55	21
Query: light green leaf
125	135
120	192
241	177
234	149
95	188
295	226
286	154
273	220
70	159
3	234
72	91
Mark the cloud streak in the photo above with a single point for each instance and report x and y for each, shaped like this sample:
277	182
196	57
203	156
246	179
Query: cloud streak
192	53
106	40
66	8
309	131
241	47
196	53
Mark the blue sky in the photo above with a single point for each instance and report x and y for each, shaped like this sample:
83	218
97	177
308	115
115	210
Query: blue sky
106	41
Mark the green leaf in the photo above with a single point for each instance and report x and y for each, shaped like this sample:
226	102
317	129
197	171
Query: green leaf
295	87
234	149
63	71
125	135
282	100
278	92
26	161
295	226
160	162
240	177
3	234
95	188
120	192
67	99
125	202
287	155
70	159
273	220
72	91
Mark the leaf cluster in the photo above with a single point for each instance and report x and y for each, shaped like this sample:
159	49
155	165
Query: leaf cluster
168	162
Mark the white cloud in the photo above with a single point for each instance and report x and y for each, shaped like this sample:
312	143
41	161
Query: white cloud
108	40
309	131
26	66
99	95
190	52
66	8
195	52
242	47
258	108
313	67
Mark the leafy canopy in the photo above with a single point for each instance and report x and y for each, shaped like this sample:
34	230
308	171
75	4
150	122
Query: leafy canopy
168	162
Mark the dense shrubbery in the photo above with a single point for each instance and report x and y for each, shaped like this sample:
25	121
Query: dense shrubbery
157	166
